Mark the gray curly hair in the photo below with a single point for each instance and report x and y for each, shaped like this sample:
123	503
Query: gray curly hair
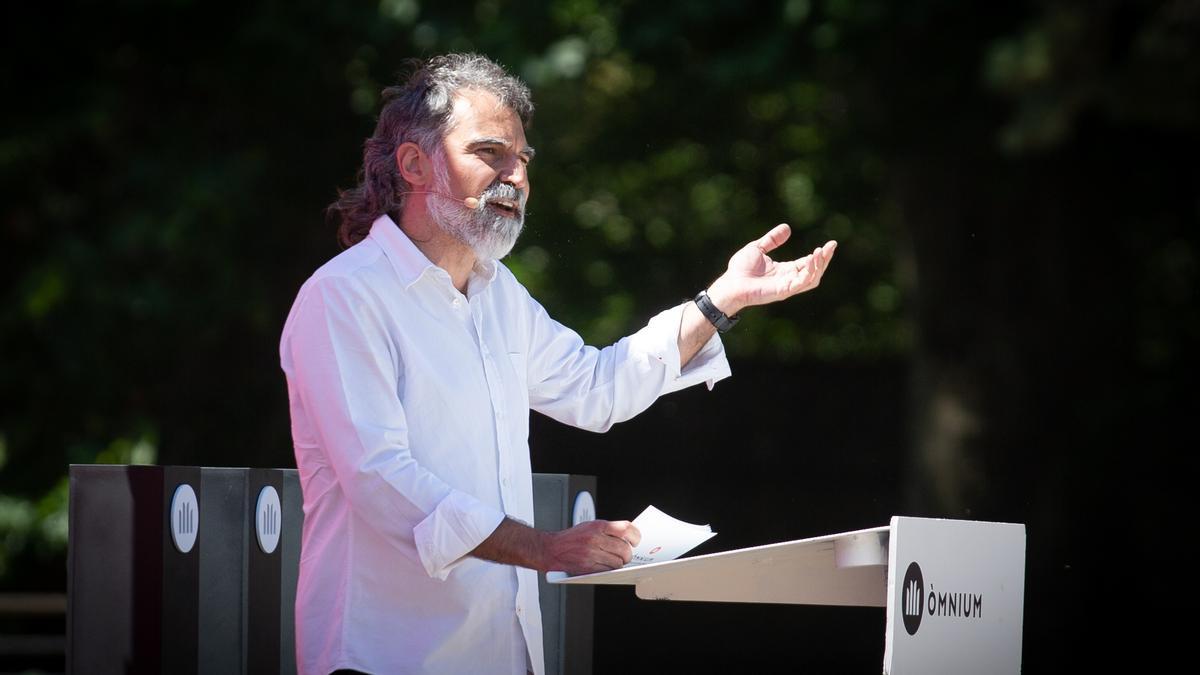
419	111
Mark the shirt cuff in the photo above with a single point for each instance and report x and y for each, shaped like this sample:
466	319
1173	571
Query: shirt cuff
456	527
709	365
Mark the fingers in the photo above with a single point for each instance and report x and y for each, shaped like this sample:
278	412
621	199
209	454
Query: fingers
824	254
607	560
773	239
623	536
821	255
623	529
815	264
753	278
804	271
596	546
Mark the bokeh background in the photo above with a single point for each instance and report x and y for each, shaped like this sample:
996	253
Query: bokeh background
1008	331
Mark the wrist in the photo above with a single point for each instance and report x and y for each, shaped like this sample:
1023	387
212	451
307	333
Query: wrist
719	319
724	299
544	545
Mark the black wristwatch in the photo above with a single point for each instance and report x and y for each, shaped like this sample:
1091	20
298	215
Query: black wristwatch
714	315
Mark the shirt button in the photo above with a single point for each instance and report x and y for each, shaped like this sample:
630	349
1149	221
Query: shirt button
504	482
457	303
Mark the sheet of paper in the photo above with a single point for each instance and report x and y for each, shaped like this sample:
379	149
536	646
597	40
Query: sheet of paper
665	538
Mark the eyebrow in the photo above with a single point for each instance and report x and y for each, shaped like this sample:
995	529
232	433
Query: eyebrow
528	152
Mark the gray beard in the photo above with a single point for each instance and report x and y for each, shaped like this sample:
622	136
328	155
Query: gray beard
489	234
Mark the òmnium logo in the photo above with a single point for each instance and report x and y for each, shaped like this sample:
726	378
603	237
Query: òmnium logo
911	596
914	603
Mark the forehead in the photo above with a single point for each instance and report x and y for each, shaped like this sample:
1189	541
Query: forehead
477	114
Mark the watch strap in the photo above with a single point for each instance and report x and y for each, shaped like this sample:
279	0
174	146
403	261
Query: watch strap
715	316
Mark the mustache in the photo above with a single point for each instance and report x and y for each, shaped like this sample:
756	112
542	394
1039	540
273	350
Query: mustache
503	191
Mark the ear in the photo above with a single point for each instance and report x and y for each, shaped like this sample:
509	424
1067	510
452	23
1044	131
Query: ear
414	165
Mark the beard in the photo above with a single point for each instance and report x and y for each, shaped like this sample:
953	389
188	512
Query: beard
490	232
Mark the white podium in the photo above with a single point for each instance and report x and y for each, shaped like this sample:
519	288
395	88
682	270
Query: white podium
953	589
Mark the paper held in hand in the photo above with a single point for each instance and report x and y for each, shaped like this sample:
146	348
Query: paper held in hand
665	538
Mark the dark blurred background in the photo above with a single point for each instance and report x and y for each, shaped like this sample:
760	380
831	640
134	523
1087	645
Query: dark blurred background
1008	332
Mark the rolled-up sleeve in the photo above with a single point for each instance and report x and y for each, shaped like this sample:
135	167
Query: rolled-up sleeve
343	374
595	388
458	524
660	339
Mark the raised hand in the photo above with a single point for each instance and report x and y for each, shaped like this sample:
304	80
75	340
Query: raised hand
753	278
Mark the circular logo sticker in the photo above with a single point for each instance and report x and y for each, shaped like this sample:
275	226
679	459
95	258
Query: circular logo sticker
268	518
185	518
910	598
584	509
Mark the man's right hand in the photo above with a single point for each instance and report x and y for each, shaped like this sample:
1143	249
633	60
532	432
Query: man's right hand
594	546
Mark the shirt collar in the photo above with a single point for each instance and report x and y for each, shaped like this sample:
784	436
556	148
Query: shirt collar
411	264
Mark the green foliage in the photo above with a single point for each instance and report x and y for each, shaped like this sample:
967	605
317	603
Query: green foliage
36	529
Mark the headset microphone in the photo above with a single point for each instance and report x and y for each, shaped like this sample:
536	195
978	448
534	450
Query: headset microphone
469	202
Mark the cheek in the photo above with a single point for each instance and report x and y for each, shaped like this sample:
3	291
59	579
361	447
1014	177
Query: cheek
470	173
477	179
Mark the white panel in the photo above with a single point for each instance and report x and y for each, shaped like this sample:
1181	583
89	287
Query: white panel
956	597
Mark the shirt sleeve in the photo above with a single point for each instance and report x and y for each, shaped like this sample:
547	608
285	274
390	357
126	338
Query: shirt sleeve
595	388
343	373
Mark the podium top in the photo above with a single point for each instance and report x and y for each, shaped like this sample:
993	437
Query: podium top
849	568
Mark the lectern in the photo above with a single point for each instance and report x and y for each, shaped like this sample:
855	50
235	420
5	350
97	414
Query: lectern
953	590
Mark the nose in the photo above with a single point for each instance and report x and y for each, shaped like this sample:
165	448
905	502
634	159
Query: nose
516	174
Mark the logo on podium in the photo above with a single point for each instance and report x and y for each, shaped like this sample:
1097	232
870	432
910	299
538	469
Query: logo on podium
911	598
267	520
915	604
185	518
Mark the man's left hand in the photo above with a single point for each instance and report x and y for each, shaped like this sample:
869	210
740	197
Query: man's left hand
753	278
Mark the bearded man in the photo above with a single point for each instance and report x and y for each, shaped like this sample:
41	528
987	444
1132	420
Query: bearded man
412	361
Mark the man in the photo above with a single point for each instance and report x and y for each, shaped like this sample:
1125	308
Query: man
413	359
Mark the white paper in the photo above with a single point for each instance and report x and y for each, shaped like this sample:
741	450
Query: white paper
665	538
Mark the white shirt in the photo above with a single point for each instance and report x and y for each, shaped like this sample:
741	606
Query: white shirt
410	418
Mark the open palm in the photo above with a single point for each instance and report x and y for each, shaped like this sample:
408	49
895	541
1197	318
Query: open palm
753	278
